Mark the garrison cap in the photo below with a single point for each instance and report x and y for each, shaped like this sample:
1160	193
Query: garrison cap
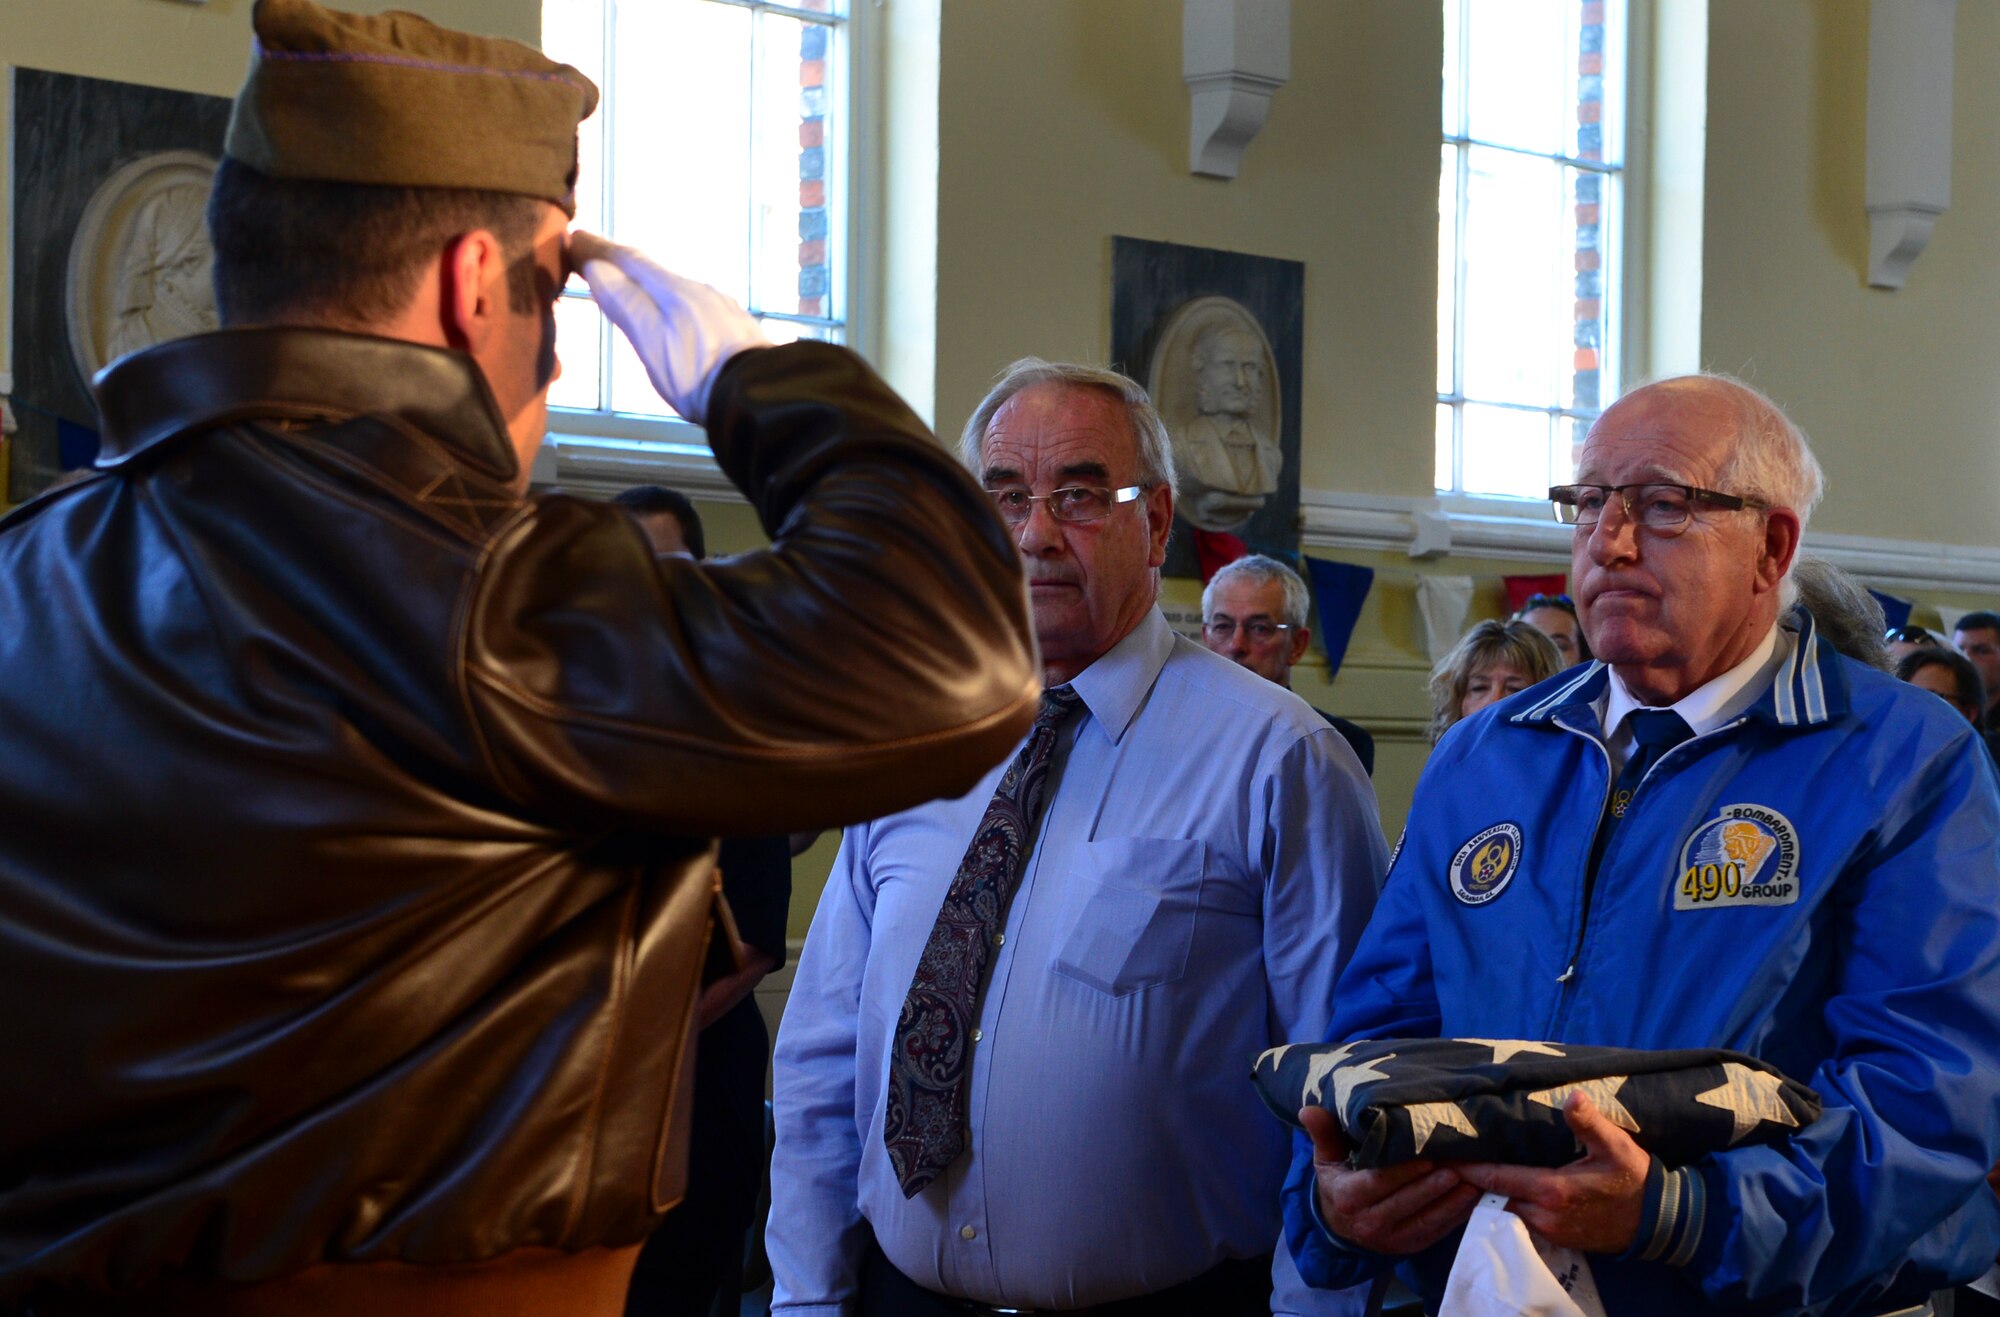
395	100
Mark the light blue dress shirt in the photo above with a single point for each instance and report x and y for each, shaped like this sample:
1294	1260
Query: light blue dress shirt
1208	856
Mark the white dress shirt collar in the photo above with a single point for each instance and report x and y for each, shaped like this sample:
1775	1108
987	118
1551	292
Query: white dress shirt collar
1709	705
1115	685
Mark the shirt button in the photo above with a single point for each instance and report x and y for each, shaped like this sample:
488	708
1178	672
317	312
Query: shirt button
999	939
977	1034
967	1232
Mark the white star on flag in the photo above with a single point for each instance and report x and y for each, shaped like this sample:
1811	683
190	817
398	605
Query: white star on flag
1750	1096
1426	1117
1604	1092
1274	1057
1348	1077
1505	1049
1319	1067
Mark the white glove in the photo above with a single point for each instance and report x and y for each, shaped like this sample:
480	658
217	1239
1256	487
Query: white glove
683	331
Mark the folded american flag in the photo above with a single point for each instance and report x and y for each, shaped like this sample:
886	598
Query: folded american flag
1501	1100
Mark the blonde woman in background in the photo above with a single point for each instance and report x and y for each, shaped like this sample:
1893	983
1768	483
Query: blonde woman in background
1489	663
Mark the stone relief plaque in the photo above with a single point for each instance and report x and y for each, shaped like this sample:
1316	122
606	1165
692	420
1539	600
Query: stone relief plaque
1217	338
139	265
110	252
1215	381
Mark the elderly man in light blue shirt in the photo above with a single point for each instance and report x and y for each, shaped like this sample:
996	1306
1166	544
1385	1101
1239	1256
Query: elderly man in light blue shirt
1205	858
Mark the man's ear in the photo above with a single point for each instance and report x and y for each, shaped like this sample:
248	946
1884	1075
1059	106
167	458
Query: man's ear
1159	521
472	289
1781	545
1300	639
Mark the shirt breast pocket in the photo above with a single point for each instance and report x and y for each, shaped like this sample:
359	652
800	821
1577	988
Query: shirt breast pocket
1131	912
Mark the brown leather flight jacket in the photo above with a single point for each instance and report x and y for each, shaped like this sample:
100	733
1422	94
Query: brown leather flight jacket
354	809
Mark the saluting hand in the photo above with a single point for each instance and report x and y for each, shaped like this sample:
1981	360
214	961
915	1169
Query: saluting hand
683	330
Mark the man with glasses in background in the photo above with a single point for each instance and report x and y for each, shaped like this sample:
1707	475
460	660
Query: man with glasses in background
1012	1075
1852	941
1253	612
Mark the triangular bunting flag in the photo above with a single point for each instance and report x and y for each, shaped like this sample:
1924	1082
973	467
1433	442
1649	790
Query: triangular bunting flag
1521	588
1442	603
1895	612
1216	549
1339	589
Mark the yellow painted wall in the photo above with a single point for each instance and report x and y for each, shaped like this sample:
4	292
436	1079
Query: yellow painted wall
193	47
1898	390
1064	123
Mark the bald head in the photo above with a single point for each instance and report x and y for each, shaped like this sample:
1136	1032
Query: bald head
1671	608
1767	458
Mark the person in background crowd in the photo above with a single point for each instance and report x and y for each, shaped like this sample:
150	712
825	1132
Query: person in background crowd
1253	612
1012	1071
1554	615
1724	834
1977	636
1903	641
1950	676
1849	618
694	1262
1489	663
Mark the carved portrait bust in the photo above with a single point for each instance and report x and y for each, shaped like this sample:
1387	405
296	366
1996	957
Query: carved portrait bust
140	262
1215	381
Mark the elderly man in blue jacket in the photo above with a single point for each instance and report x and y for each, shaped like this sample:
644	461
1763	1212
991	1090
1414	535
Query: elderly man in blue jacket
1720	834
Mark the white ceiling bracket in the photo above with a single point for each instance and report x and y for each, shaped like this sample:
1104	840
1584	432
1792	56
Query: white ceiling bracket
1235	54
1909	131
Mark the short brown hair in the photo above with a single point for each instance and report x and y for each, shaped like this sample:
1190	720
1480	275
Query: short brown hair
349	255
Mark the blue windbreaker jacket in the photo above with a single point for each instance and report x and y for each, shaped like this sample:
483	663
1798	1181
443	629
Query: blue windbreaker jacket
1816	883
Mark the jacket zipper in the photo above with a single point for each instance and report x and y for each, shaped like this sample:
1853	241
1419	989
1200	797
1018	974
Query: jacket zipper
1569	975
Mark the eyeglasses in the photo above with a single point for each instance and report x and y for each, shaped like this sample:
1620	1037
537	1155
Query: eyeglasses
1909	635
1260	631
1662	509
1070	503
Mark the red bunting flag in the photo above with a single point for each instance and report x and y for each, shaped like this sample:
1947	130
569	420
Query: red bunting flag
1521	588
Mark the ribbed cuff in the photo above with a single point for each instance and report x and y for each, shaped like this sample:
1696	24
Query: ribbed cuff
1675	1210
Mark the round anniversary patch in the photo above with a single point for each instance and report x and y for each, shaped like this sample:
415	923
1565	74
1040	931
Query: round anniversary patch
1485	865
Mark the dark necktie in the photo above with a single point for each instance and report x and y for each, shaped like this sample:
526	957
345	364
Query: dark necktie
1654	732
930	1054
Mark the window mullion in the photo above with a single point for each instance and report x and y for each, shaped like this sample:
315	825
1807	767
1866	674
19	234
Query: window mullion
607	101
753	213
1464	166
761	137
1463	162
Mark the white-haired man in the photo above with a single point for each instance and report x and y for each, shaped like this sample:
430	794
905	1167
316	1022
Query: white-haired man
1720	834
1012	1072
1253	612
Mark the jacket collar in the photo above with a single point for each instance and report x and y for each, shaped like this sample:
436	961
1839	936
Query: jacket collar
288	373
1808	689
